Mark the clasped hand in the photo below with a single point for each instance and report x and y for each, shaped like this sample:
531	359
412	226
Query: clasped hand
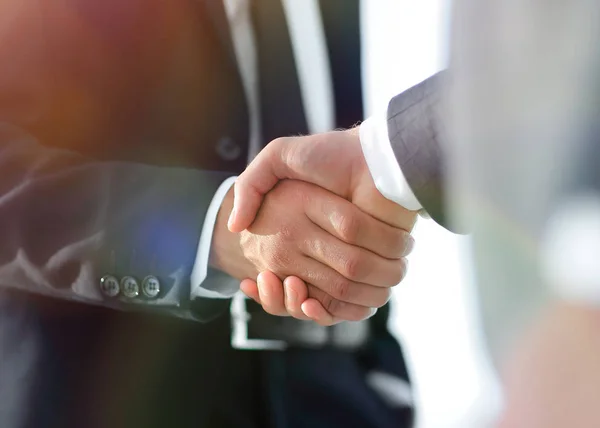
321	244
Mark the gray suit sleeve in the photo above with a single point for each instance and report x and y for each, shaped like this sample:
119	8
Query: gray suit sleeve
414	129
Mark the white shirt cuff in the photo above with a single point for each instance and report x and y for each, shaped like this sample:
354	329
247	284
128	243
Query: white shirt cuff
382	163
200	269
571	250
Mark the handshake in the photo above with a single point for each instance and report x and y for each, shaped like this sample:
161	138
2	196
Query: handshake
309	235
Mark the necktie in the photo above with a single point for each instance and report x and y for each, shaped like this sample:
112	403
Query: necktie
341	22
281	108
282	111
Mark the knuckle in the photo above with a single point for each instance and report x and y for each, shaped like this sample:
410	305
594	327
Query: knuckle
353	266
317	247
348	227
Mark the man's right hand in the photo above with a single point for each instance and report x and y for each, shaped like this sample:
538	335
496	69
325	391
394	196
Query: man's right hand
349	259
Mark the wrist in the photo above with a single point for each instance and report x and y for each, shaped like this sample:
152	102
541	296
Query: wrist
223	240
368	197
226	253
383	166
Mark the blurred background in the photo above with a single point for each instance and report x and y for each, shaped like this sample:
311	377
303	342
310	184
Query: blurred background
435	310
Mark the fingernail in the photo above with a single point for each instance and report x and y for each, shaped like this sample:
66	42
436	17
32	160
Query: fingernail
303	308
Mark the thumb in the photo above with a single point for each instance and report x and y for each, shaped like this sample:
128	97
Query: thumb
254	183
246	203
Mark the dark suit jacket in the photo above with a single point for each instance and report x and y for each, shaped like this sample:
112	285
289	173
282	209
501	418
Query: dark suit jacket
118	121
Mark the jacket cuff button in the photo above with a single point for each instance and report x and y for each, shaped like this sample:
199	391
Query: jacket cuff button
130	287
151	287
109	285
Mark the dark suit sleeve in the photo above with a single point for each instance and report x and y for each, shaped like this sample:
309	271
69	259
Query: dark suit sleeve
67	219
414	129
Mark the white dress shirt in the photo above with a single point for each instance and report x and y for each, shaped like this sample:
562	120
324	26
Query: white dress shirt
382	163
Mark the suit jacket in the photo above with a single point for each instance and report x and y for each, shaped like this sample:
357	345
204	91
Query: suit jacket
118	121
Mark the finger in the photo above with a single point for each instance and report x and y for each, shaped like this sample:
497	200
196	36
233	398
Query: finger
307	308
263	173
341	298
348	223
250	289
296	292
270	290
339	288
316	312
337	309
354	263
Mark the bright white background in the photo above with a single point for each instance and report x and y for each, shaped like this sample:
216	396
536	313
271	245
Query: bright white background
435	313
